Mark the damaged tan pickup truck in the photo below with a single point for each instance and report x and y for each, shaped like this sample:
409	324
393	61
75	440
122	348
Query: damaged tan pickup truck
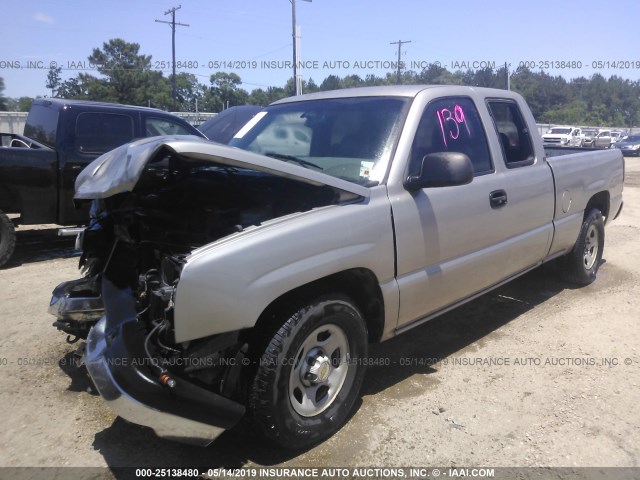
250	279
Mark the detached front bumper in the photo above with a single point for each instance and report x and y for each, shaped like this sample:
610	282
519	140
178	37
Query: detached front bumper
120	370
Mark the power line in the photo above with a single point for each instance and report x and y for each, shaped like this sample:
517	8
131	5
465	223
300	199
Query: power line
173	24
399	43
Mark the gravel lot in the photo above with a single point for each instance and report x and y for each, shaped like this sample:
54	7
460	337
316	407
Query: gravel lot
533	374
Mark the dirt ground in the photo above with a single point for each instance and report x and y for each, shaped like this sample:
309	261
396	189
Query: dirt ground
533	374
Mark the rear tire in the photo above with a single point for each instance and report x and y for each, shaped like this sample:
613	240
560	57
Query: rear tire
580	266
7	238
309	378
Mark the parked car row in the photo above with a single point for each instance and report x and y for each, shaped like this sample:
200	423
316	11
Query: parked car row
568	136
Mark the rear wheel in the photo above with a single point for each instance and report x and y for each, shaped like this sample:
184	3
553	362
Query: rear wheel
580	266
309	377
7	238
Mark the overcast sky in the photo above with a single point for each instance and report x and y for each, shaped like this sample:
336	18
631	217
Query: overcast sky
339	37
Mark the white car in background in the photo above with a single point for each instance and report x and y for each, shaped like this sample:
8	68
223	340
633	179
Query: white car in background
564	137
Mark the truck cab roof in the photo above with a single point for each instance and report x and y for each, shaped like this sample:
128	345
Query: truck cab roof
62	103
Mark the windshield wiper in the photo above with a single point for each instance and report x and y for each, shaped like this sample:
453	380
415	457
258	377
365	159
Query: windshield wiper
291	158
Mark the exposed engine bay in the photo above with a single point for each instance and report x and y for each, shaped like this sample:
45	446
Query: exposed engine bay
139	241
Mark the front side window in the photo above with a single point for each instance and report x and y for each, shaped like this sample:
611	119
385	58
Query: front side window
451	125
517	148
348	138
101	132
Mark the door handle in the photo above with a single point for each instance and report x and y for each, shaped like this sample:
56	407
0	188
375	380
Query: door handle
498	198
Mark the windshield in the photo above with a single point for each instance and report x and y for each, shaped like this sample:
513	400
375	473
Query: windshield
632	138
561	131
348	138
589	132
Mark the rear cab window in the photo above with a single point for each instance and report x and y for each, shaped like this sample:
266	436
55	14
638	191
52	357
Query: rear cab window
42	125
512	131
451	124
101	132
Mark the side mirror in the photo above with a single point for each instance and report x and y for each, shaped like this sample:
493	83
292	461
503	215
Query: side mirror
442	169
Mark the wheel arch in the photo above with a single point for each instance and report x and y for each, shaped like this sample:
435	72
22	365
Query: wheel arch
7	238
600	201
359	284
10	199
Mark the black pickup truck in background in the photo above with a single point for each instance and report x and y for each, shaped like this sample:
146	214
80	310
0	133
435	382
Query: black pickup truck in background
38	169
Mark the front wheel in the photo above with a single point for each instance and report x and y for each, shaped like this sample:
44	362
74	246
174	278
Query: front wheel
580	266
309	377
7	238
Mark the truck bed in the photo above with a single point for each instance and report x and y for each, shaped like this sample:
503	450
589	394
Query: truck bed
552	151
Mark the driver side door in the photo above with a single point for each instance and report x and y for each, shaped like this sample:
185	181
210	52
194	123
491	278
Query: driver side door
455	242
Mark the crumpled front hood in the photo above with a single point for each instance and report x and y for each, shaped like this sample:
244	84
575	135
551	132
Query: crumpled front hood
119	170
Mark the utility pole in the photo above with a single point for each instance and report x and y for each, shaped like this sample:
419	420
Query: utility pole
295	33
507	78
173	24
399	43
581	85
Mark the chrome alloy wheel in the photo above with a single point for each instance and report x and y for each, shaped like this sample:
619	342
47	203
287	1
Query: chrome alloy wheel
319	370
591	247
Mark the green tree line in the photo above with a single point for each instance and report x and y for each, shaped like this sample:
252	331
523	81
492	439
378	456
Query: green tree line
126	76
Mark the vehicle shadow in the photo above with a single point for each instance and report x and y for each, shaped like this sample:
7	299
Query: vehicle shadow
437	339
73	366
39	245
420	351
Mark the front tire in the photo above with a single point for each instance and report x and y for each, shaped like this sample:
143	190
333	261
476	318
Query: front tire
7	238
580	266
309	378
